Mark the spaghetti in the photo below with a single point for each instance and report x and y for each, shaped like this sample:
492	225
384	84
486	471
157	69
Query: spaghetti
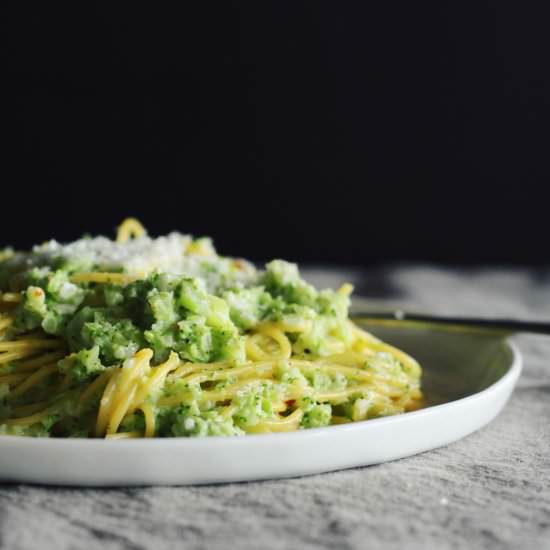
110	348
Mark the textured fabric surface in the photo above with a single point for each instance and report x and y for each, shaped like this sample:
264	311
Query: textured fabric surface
489	490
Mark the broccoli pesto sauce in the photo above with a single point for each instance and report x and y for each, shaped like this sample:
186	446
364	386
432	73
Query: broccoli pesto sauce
103	324
195	303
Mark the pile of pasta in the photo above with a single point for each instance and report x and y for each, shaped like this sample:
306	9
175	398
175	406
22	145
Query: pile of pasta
37	389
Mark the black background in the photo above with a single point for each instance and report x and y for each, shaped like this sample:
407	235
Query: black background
345	132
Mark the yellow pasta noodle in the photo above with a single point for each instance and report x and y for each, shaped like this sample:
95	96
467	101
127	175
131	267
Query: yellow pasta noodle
129	228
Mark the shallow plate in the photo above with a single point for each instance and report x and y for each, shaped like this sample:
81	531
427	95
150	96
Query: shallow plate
467	380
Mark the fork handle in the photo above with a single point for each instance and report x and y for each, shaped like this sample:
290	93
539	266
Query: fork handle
486	324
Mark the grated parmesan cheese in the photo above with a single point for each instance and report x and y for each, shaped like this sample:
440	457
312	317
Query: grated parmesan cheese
174	253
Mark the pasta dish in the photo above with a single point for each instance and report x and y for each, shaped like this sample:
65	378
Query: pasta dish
163	337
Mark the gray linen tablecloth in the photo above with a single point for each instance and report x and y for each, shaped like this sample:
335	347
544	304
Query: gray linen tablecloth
490	490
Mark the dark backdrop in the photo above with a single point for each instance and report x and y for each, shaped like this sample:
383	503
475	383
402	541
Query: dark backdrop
351	132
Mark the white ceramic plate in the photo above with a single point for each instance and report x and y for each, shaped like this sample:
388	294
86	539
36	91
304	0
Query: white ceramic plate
467	381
